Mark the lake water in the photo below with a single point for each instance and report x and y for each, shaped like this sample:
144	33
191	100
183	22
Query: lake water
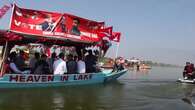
156	89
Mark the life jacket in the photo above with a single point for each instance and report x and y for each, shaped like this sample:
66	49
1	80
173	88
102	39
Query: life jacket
189	69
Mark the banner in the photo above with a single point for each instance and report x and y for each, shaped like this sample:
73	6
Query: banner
4	9
49	24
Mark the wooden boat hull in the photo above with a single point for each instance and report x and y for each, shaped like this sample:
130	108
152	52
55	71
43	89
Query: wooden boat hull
30	80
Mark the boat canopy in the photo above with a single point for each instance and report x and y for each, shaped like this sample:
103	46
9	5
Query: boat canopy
21	39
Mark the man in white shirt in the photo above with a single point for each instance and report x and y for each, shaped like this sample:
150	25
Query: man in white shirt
81	68
59	65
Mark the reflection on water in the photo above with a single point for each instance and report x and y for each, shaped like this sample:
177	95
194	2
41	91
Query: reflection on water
189	96
153	90
58	100
89	97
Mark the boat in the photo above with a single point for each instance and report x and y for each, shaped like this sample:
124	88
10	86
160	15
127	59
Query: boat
144	66
22	31
190	81
31	80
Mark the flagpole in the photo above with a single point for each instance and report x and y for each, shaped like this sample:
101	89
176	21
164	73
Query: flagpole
11	15
3	59
117	49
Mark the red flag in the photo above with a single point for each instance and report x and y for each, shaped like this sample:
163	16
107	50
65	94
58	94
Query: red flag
4	9
115	36
105	32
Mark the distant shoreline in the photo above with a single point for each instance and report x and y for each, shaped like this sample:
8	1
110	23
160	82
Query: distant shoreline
161	64
173	66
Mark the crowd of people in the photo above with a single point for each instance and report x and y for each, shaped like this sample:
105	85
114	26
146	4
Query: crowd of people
119	64
189	71
56	64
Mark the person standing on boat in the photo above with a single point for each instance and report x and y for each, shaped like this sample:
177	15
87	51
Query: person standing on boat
34	60
12	66
75	58
91	61
20	60
118	66
59	66
41	67
71	65
81	65
51	61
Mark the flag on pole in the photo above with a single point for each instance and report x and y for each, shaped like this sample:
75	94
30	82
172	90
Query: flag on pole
4	9
105	32
115	36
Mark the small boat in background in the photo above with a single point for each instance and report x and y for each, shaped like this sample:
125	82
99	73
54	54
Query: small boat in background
144	66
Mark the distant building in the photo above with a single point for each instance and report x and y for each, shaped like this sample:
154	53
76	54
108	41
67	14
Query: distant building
134	60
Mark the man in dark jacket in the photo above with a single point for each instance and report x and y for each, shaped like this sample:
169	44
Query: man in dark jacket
71	65
41	67
90	61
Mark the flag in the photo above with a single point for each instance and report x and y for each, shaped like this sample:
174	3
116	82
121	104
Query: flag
4	9
105	32
115	36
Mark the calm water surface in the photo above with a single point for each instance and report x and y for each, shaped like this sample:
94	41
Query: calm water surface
156	89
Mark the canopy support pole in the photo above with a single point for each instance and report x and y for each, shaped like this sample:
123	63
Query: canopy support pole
4	57
12	12
117	49
100	54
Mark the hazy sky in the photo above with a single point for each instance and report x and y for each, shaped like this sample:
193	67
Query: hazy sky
158	30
